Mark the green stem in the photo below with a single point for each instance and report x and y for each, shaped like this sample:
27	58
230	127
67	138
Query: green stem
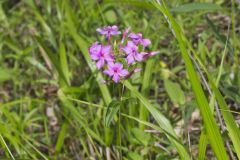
119	123
236	64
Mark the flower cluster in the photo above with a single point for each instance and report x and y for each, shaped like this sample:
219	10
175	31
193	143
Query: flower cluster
118	59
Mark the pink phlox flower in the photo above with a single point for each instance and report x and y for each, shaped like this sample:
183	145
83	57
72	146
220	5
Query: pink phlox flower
125	34
148	54
131	50
101	54
138	39
116	71
136	70
109	30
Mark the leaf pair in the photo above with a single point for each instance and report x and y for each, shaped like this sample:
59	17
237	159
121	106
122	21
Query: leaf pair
112	110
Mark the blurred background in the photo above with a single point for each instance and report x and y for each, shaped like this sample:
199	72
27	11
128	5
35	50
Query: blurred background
52	105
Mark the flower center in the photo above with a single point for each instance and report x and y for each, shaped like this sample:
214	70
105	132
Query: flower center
115	70
133	50
101	54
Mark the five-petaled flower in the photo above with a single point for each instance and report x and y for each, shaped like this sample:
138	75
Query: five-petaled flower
132	53
108	31
101	54
116	71
138	39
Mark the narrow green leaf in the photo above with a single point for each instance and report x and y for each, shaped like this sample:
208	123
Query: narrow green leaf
234	132
174	91
5	74
161	120
5	147
153	126
146	83
135	3
202	145
134	156
232	127
83	46
190	7
112	110
79	118
64	63
38	16
141	136
60	140
38	65
217	33
53	57
212	129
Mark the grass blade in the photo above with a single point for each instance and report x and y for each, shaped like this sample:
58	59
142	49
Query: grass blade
78	116
202	145
112	110
234	132
83	46
212	129
174	91
145	89
190	7
161	120
60	139
64	63
54	59
5	145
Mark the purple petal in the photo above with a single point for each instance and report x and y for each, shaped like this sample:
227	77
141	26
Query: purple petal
109	58
95	48
115	32
145	42
100	63
94	57
130	47
154	53
102	30
123	73
139	35
133	35
146	55
125	34
108	36
131	44
116	78
136	38
106	49
138	57
118	66
110	65
137	70
108	72
114	27
94	51
130	59
126	49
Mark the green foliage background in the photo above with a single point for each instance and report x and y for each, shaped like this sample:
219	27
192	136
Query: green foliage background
184	104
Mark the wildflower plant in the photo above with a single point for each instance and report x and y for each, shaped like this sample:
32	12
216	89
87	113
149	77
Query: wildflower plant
119	55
